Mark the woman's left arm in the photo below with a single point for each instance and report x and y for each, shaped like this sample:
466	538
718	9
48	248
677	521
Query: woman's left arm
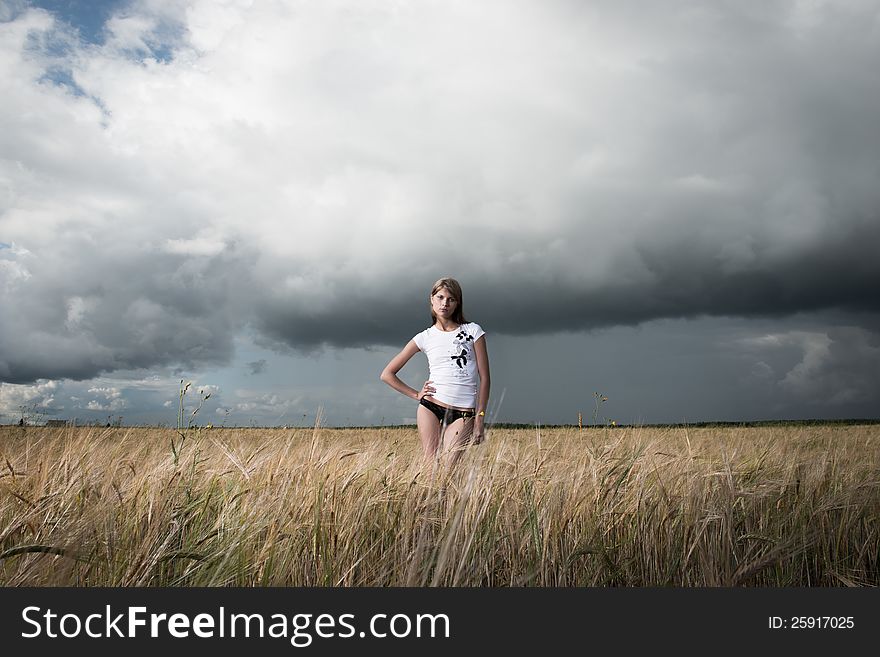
485	382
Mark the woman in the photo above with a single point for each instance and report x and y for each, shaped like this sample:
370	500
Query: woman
452	409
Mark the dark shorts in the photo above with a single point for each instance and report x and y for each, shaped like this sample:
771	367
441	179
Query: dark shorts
445	415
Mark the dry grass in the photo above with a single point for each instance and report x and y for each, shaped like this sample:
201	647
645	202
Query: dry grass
771	506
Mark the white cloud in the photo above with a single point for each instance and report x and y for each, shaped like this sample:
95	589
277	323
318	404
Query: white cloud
107	399
111	405
130	33
107	393
196	247
15	399
264	402
13	271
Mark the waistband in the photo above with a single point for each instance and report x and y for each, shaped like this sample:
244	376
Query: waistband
443	409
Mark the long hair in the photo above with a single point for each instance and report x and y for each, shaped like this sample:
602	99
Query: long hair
454	289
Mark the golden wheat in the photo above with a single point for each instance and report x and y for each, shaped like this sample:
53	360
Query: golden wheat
760	506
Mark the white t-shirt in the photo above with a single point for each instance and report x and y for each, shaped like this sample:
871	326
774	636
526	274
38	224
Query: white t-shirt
452	362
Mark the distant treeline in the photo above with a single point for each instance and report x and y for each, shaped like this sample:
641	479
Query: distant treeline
755	423
515	425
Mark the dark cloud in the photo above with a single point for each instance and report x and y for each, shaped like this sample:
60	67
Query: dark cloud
737	178
79	317
679	276
257	366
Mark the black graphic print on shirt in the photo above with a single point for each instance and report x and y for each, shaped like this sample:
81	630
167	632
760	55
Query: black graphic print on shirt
462	351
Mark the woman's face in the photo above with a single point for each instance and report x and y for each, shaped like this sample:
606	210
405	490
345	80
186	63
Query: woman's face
443	303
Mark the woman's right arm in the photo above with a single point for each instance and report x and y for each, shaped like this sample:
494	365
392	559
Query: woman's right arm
389	374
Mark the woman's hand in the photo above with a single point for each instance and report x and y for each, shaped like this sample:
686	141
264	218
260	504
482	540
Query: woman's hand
479	430
427	389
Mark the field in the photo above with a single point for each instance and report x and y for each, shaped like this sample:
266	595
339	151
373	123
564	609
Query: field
708	506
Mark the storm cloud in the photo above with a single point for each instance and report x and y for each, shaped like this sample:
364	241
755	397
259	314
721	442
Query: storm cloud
306	171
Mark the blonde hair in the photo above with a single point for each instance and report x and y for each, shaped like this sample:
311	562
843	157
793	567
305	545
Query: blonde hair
454	289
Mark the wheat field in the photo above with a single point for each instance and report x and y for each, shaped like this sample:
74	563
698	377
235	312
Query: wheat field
614	506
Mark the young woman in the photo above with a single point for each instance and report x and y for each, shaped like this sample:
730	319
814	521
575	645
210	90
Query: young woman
452	407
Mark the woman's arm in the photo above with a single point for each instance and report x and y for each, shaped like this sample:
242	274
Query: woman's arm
389	374
485	384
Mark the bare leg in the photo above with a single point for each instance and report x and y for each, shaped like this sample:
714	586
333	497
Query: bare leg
429	433
455	438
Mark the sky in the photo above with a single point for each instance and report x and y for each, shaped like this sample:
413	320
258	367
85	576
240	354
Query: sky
672	205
